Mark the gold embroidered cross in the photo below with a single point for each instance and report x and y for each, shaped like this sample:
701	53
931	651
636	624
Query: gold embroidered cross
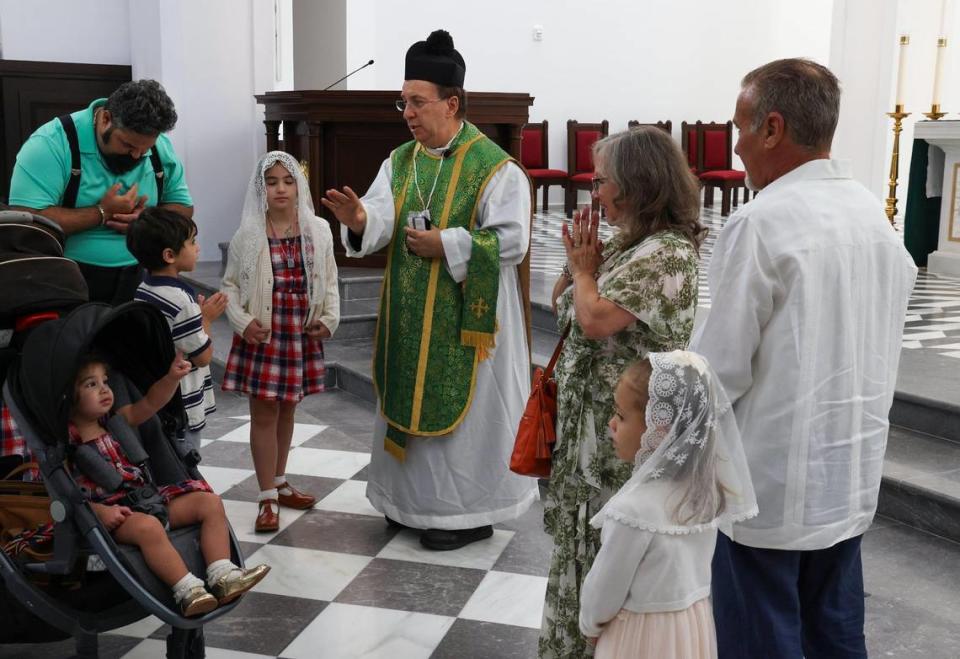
479	308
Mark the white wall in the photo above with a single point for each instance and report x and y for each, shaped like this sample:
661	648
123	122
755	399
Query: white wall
648	60
65	31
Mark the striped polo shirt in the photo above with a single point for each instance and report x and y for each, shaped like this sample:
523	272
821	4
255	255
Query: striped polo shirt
178	303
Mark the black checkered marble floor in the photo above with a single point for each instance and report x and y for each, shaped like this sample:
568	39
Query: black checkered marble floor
933	321
343	584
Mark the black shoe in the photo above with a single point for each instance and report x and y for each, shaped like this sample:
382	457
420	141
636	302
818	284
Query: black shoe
392	523
443	540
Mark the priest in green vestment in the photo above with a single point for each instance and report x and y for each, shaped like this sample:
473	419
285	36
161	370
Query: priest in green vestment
451	363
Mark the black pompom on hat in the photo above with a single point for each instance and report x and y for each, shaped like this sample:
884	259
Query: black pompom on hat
435	60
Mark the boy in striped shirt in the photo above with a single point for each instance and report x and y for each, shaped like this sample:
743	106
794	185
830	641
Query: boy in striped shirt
165	244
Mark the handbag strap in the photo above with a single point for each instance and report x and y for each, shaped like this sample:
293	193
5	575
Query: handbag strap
548	371
26	466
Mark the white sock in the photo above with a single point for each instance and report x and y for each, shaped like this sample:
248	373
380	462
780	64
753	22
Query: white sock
217	569
185	585
267	494
282	480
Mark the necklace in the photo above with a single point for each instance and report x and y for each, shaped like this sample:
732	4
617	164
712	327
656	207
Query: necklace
287	257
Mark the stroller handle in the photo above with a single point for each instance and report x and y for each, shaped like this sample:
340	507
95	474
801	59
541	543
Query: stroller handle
16	217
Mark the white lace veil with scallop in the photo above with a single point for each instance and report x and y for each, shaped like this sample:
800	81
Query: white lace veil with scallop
691	473
251	238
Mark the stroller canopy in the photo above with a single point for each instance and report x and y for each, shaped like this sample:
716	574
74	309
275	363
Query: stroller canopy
133	338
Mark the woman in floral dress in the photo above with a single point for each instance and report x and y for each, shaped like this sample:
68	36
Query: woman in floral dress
634	295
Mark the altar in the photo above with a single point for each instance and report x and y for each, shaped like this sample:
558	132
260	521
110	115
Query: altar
929	231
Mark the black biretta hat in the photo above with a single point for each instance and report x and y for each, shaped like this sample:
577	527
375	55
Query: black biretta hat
435	60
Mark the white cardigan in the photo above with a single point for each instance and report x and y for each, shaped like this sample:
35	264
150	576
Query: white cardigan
644	572
324	298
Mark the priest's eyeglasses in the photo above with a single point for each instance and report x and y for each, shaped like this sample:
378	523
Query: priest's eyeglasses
415	103
597	181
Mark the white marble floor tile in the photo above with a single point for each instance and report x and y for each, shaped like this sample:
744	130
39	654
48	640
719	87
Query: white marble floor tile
307	573
955	355
140	628
346	631
305	431
912	344
240	434
223	478
243	515
350	497
923	336
206	442
508	599
301	433
153	648
326	462
481	555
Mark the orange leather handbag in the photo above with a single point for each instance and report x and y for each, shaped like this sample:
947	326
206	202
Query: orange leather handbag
537	433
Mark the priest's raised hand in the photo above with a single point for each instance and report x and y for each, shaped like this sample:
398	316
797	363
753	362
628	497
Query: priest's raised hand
347	208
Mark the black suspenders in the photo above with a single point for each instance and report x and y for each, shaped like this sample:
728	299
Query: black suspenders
73	185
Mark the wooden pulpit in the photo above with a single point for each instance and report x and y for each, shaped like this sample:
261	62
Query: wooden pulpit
344	136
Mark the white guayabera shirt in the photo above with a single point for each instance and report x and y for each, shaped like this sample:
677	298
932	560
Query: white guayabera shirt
809	288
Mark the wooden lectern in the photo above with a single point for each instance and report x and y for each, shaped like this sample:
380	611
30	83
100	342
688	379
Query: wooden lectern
344	136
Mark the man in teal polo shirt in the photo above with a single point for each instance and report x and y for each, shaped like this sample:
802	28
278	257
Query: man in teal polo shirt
116	139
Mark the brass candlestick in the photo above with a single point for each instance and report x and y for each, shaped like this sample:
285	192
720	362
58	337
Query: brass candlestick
898	116
935	112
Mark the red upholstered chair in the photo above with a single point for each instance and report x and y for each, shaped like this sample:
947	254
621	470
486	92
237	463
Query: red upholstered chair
580	139
534	158
709	149
662	125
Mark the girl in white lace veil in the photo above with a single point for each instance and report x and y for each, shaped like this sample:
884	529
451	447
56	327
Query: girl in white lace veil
690	472
647	592
282	302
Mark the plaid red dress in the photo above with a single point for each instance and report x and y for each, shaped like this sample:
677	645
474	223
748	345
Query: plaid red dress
111	450
290	366
13	443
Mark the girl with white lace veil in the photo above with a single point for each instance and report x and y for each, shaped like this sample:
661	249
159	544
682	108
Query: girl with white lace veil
647	593
283	300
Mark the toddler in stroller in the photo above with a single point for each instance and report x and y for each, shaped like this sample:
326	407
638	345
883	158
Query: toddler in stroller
137	513
49	597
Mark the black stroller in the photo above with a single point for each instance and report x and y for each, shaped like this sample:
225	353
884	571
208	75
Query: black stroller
135	340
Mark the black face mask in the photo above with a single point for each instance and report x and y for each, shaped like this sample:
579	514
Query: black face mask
118	163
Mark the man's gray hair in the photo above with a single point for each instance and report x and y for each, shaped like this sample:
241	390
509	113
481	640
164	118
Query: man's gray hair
805	93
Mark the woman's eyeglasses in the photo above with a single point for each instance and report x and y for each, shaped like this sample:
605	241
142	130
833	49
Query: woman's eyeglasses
415	103
597	181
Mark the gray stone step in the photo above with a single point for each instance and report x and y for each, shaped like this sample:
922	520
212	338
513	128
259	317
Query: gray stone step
921	482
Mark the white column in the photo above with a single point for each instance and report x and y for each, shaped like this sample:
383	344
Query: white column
212	57
319	43
862	53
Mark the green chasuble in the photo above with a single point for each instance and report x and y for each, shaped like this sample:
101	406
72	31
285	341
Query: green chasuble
431	331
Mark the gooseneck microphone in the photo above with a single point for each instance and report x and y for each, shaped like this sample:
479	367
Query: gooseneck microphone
348	75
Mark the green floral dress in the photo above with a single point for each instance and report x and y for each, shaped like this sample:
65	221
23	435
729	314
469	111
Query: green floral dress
656	281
